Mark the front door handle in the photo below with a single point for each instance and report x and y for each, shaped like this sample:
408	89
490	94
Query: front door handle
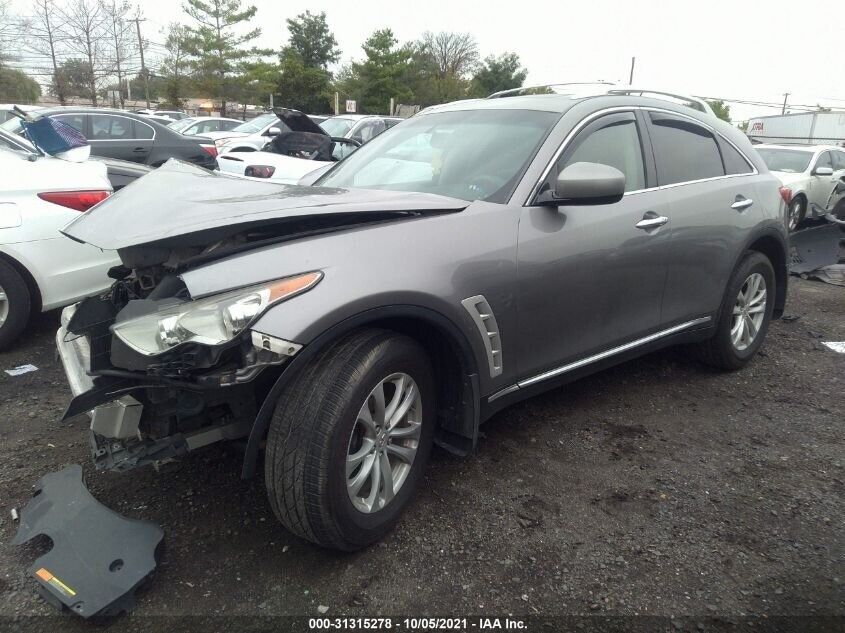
741	203
138	150
652	222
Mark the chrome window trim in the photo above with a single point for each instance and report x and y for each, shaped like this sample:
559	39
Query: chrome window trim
595	115
599	356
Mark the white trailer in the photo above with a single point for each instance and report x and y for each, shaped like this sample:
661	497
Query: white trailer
806	128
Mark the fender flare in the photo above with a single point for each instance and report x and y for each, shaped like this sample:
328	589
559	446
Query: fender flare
262	420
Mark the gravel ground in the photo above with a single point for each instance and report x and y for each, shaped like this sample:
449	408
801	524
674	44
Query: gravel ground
658	487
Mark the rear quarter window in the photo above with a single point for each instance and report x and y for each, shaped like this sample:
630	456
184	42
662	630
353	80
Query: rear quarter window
735	163
683	150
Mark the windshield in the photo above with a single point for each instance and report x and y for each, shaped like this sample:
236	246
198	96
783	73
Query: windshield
336	126
470	154
257	124
789	160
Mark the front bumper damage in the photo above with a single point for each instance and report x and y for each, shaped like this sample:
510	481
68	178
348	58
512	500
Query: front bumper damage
98	558
117	402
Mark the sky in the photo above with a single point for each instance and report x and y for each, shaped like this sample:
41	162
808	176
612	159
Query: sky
753	50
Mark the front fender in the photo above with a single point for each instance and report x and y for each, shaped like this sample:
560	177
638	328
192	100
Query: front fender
300	361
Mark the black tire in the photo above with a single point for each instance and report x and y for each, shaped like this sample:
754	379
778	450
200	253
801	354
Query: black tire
309	436
719	351
797	212
18	304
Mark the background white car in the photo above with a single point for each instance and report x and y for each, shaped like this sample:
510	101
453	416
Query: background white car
249	136
41	269
810	172
287	156
194	125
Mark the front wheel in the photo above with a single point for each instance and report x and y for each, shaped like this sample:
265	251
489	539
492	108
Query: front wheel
350	439
745	314
797	211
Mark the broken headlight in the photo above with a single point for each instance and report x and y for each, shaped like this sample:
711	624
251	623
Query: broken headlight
209	321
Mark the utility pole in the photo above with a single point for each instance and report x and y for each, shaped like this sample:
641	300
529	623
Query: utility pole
631	78
785	95
143	67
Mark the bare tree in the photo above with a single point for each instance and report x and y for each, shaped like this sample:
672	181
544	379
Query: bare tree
6	30
45	37
175	66
85	22
122	40
454	55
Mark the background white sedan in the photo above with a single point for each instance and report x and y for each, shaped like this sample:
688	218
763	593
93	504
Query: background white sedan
40	268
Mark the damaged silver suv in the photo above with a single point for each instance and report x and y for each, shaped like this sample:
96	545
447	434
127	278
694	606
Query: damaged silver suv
470	257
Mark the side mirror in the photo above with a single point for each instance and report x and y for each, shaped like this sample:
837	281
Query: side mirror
586	183
823	171
273	131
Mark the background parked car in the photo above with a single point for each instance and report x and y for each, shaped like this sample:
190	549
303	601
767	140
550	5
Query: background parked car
810	172
358	127
175	115
129	136
120	172
249	136
40	268
203	124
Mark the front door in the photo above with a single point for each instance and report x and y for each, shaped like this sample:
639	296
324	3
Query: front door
592	277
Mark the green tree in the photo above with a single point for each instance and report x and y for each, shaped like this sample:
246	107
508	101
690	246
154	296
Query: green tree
73	79
498	73
300	86
216	49
721	109
381	75
312	39
16	87
174	67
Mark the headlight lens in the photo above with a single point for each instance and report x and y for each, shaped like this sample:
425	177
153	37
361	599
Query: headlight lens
210	321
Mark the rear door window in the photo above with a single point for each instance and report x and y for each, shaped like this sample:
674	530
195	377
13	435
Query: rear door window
838	160
683	150
105	127
612	140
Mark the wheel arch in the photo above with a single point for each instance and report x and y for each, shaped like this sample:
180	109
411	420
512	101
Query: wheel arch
35	300
452	357
773	245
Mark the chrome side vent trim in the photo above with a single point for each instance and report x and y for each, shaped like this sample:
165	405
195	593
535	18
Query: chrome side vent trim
485	321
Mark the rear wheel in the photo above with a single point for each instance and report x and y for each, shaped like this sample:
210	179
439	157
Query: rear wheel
745	314
350	439
15	304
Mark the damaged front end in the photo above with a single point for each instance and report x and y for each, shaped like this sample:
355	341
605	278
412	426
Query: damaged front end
163	374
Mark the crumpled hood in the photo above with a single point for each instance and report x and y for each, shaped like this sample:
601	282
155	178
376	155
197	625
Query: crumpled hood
180	199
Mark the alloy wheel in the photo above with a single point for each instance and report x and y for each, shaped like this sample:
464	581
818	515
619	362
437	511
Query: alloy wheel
383	443
795	210
748	312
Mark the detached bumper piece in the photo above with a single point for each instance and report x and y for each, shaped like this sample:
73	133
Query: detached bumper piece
98	559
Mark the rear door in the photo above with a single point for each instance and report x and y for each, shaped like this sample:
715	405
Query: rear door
121	137
589	277
711	200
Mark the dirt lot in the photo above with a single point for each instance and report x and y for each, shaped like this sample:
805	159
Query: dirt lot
658	487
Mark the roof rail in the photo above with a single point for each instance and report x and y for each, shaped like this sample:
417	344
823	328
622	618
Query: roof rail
607	88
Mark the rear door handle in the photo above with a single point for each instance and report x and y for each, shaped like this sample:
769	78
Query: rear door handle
138	150
652	222
742	203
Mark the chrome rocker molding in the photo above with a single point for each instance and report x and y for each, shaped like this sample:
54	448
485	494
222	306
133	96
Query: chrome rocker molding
597	357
